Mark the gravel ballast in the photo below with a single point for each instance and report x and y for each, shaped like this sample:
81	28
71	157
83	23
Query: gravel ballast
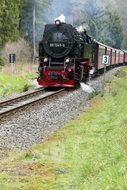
35	125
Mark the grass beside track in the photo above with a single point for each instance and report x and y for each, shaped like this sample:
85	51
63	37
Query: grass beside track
10	84
90	153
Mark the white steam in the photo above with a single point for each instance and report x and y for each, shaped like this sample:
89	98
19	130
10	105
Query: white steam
80	29
86	88
61	18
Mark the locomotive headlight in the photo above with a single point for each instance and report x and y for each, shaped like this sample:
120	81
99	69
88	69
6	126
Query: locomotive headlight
45	59
67	60
57	22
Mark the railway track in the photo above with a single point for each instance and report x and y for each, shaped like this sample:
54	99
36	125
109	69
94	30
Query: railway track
20	102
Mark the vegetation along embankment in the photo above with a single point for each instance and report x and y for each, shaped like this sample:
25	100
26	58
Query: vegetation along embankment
12	83
89	153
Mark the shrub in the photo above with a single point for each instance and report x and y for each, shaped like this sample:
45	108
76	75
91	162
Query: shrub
25	88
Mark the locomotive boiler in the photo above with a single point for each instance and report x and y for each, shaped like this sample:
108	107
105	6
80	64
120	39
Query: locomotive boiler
62	59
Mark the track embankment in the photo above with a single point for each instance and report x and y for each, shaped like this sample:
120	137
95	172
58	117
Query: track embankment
35	124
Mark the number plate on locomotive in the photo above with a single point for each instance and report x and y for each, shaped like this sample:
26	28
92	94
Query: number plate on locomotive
53	76
57	45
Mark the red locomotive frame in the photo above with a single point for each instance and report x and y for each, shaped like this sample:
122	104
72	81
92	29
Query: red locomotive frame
59	77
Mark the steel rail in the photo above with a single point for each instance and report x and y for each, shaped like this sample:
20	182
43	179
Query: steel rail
28	102
18	98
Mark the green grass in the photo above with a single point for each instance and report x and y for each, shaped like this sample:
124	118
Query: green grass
90	153
10	84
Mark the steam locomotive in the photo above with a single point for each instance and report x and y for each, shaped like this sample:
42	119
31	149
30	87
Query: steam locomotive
67	56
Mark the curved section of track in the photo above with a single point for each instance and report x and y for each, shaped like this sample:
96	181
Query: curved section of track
8	106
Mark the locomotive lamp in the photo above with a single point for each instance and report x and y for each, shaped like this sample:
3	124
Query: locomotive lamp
57	22
45	59
67	60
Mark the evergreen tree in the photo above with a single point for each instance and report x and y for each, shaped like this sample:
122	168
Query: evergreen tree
114	32
26	18
9	20
95	16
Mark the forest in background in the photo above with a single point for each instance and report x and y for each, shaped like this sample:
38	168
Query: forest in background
105	21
